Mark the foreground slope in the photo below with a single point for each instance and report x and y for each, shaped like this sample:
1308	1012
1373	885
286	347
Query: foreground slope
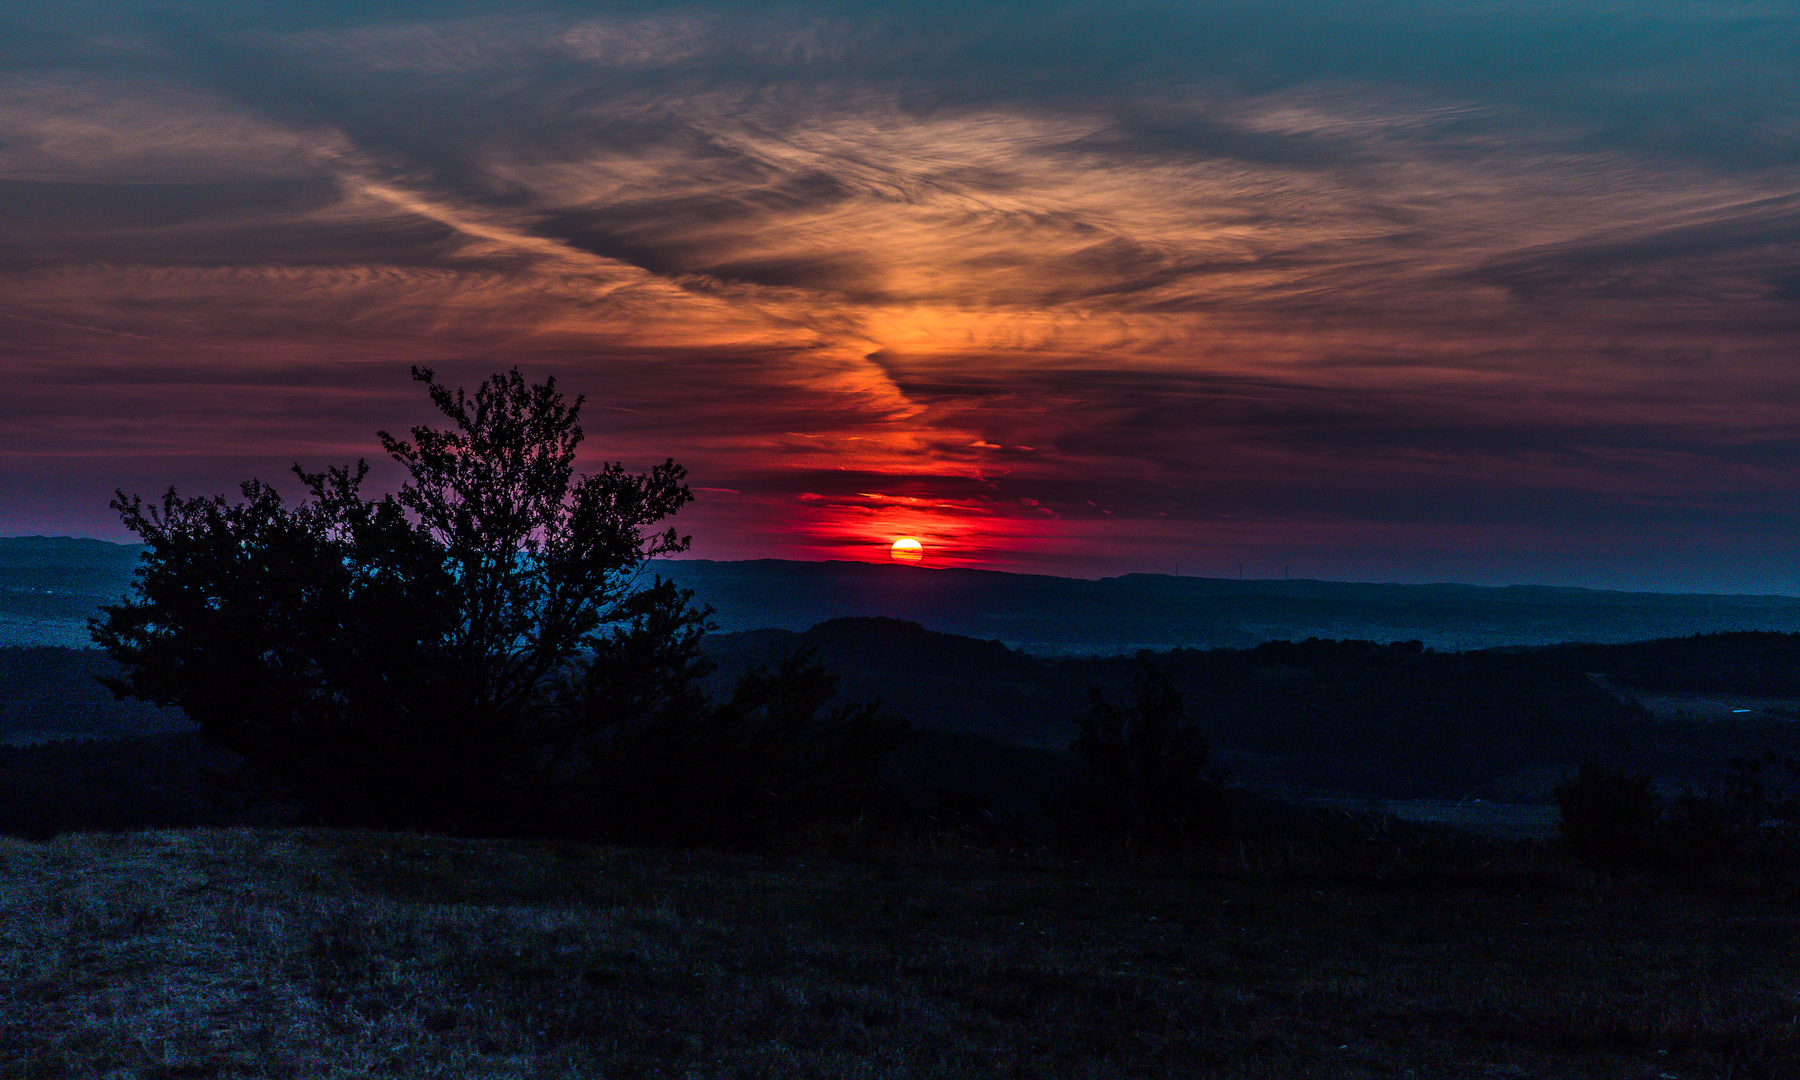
311	953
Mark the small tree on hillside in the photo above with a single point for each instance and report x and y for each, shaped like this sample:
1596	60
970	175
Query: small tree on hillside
1610	816
1148	783
774	755
442	658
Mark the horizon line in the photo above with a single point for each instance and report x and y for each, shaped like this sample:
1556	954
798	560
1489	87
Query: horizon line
1111	577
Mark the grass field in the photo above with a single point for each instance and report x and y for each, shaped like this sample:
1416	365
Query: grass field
312	953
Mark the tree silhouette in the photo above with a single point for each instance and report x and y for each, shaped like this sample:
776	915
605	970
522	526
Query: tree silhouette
1609	816
774	755
1147	782
448	657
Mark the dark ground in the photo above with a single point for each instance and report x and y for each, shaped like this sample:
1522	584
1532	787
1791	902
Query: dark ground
311	953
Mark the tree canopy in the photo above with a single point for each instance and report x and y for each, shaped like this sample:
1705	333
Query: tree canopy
470	653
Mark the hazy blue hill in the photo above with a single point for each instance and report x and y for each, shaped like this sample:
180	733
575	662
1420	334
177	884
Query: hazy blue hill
92	567
984	604
1050	615
50	585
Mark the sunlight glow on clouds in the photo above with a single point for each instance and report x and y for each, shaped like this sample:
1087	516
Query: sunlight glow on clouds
1503	287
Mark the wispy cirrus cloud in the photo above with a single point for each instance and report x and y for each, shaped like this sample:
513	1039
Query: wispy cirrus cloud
1356	275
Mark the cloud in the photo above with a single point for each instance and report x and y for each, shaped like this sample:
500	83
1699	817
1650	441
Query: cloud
137	128
1359	266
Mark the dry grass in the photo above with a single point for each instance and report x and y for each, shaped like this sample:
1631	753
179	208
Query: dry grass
311	953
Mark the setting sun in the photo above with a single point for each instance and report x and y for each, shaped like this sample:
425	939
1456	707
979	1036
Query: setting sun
908	550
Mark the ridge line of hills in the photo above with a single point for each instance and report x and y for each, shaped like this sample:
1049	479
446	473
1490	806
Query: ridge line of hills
1219	583
1047	615
49	586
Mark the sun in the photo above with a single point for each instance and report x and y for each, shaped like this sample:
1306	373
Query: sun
908	550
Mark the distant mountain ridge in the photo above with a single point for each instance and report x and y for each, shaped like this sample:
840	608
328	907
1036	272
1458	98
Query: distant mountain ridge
49	586
1053	615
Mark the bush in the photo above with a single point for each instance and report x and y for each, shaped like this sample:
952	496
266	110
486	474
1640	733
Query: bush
1146	781
476	653
1744	825
1609	817
775	756
1745	821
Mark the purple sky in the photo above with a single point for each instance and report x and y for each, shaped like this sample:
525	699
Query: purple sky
1501	292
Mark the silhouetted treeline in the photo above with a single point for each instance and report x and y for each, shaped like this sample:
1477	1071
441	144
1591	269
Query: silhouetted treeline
1393	720
948	682
1742	826
1729	662
1396	719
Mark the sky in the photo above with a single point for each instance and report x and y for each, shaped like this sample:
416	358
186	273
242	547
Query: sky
1376	290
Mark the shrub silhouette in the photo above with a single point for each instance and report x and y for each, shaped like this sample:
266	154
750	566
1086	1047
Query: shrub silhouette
1744	821
1609	817
1147	784
773	756
445	658
1747	821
